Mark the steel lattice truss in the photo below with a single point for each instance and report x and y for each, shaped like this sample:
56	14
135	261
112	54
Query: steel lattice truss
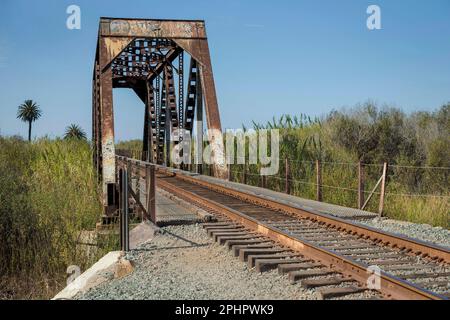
148	57
140	58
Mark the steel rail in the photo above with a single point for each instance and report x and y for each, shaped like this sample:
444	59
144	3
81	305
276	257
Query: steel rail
391	286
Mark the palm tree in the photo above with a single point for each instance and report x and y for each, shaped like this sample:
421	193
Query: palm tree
75	132
28	112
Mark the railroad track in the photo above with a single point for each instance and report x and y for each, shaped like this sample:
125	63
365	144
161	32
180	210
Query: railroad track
336	257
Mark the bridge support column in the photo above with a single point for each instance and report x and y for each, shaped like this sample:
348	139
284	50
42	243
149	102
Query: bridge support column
107	134
199	50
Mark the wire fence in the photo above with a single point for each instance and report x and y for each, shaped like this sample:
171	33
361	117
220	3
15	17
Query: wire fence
402	190
409	192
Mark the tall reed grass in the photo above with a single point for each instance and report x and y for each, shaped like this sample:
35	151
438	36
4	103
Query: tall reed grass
48	196
416	146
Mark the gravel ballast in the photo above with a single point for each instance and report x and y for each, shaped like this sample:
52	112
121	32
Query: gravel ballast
423	232
184	263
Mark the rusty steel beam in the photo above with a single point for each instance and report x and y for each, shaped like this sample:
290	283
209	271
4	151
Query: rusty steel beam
96	138
199	50
169	58
156	124
107	128
191	97
146	138
152	28
181	92
162	123
149	118
199	129
171	99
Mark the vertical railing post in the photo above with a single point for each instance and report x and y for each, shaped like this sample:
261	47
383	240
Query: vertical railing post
150	188
125	239
287	175
383	189
318	181
120	187
229	172
360	185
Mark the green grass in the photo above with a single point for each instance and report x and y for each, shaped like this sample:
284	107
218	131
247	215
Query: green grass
48	195
372	135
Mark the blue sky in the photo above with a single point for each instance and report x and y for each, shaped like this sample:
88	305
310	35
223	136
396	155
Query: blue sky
269	58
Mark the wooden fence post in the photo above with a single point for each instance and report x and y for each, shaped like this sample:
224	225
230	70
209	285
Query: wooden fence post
287	175
245	173
383	189
318	181
360	185
263	181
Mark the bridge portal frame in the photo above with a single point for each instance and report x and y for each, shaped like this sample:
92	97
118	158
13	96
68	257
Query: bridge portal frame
114	37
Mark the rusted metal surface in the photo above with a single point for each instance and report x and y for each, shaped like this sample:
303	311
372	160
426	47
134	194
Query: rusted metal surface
151	187
152	28
191	97
199	134
124	213
200	50
140	54
149	136
107	128
114	46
